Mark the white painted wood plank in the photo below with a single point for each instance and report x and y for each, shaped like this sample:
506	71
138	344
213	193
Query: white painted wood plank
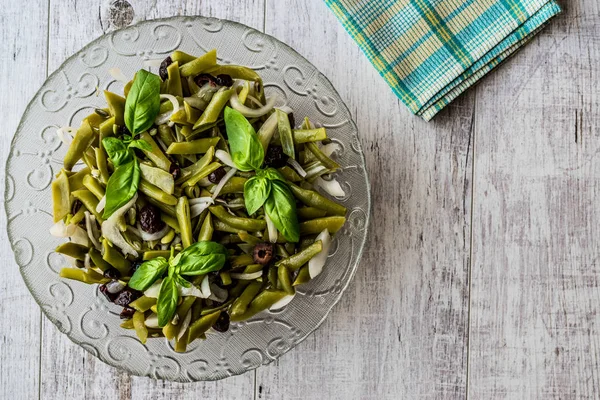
23	48
535	280
400	331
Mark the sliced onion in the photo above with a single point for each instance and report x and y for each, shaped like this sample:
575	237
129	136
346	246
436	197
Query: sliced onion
191	291
135	230
90	226
155	62
153	290
205	287
101	204
80	237
201	200
161	143
331	148
164	118
115	286
152	321
316	264
66	134
247	111
164	246
282	303
246	277
60	229
110	229
286	109
95	173
118	75
87	261
185	324
153	236
198	209
332	186
267	130
176	240
175	319
223	181
225	158
271	229
297	167
217	293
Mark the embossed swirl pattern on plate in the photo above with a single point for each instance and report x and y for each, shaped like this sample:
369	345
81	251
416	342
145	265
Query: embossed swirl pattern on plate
77	309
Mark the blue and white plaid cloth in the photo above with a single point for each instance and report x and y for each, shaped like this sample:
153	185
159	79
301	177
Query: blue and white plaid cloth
430	51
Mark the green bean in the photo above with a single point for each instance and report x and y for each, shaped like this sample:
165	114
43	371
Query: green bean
98	261
314	199
170	330
169	210
167	106
152	254
225	278
76	180
315	226
247	224
297	260
127	324
89	158
240	305
236	72
181	344
171	221
83	276
187	172
309	135
310	213
181	57
272	276
198	146
252	268
203	324
303	276
325	160
289	174
140	327
168	238
77	251
283	278
106	129
184	220
223	227
206	232
61	196
89	201
156	155
165	133
94	186
214	108
180	117
116	105
78	217
285	133
267	130
243	94
84	137
315	169
241	261
143	303
191	113
203	173
127	88
200	64
261	302
155	193
95	119
174	80
249	238
234	185
102	161
115	258
158	177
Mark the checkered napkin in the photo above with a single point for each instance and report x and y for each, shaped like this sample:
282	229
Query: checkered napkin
430	51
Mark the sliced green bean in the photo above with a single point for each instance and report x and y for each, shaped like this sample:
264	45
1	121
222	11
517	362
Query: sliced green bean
152	254
102	161
156	155
127	324
94	186
267	130
168	238
191	113
89	201
283	278
272	276
143	304
195	168
82	276
214	108
314	199
106	129
155	193
207	229
198	146
98	261
261	302
116	105
315	226
200	64
236	72
61	196
223	227
247	224
78	217
203	324
140	327
174	82
181	57
89	158
171	331
234	185
241	261
303	276
165	133
309	135
171	221
115	258
184	220
285	133
240	305
225	278
158	177
203	173
169	210
310	213
84	137
249	238
77	251
289	174
325	160
297	260
76	180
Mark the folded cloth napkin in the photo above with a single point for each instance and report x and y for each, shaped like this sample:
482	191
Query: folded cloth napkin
430	51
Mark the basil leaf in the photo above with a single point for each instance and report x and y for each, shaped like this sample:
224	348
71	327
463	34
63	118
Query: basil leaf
140	144
116	150
281	208
148	273
121	186
183	282
143	102
201	258
256	192
271	174
245	148
167	301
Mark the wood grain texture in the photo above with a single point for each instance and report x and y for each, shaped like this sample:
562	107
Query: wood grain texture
400	331
22	71
535	278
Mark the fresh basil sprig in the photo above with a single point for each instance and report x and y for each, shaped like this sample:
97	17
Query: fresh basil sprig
246	150
143	102
198	259
281	209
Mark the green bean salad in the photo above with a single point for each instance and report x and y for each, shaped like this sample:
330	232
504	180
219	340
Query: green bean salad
190	200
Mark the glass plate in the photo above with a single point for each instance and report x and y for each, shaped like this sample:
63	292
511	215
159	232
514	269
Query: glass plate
79	310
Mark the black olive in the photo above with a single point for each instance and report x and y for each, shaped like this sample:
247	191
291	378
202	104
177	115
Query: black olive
76	206
224	80
104	290
162	71
263	253
150	219
217	175
112	273
203	79
275	157
175	170
126	296
222	324
127	313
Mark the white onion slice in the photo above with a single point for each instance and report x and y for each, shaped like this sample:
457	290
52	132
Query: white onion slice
164	118
185	324
153	236
90	225
316	264
271	229
115	286
297	167
331	148
201	200
246	277
66	134
223	181
110	229
247	111
152	321
153	62
191	291
153	290
217	293
198	209
87	261
176	240
60	229
282	303
267	130
205	287
286	109
101	204
80	237
332	186
225	158
118	75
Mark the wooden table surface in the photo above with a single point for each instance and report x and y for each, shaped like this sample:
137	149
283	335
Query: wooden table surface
481	276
